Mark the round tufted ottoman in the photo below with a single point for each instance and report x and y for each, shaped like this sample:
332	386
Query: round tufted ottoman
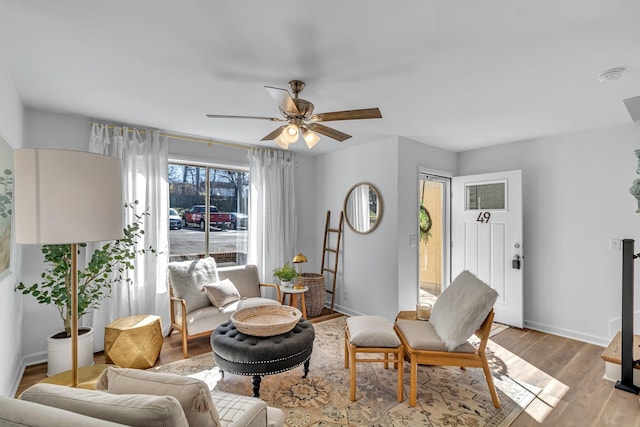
241	354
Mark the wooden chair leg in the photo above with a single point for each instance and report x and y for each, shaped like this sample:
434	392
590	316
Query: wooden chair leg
413	381
386	358
346	350
185	349
400	367
492	388
352	372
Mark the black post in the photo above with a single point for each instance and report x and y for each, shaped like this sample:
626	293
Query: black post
626	381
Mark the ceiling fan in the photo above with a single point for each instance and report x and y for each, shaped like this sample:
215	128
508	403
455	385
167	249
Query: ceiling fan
298	113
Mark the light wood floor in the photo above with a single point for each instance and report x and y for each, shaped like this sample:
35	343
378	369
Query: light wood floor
568	372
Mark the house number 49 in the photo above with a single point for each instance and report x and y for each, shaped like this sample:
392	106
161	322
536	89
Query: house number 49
483	217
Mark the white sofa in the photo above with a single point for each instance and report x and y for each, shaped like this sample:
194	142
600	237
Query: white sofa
193	313
137	398
15	412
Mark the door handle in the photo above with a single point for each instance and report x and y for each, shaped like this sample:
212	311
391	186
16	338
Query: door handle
515	262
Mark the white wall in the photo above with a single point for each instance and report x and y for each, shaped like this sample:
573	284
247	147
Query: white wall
378	272
575	192
11	367
367	271
576	197
53	130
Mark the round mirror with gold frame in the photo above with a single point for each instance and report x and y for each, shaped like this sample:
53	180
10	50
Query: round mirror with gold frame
363	208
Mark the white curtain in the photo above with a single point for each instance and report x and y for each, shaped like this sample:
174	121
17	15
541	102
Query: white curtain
144	155
272	210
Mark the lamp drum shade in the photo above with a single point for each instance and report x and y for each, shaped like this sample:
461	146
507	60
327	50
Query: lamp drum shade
64	196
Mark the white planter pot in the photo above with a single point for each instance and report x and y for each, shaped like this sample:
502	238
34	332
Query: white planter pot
59	352
286	284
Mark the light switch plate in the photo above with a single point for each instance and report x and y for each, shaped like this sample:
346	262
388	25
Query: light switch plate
615	244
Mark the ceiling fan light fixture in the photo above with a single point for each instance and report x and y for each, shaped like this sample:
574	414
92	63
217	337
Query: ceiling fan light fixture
290	133
297	112
281	142
310	137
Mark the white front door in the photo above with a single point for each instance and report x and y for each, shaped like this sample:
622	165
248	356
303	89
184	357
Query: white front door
487	237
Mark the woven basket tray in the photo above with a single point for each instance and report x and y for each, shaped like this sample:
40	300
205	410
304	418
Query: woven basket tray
266	320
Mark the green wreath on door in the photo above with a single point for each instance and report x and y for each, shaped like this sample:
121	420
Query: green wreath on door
425	223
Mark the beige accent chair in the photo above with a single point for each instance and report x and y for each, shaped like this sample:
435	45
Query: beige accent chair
464	308
192	312
423	347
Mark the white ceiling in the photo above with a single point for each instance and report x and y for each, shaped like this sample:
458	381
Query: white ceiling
454	74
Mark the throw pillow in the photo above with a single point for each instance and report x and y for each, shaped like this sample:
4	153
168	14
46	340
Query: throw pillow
461	308
129	409
222	293
193	394
188	278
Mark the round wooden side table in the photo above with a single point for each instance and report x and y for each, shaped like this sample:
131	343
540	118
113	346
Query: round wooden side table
294	296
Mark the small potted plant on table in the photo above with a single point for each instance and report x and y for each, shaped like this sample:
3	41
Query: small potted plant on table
286	274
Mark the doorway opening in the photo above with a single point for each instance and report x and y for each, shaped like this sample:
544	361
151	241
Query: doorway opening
433	247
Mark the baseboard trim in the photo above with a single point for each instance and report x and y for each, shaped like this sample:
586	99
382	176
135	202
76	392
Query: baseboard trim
32	359
568	333
35	358
344	310
17	379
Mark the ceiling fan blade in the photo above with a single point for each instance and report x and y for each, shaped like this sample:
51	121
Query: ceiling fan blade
327	131
284	100
274	134
222	116
366	113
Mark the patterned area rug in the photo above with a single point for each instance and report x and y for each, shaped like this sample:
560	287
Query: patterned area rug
446	396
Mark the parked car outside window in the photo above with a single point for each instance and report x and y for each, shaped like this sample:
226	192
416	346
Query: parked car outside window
175	221
239	220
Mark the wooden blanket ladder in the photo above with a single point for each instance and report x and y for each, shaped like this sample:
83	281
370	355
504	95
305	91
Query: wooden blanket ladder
335	250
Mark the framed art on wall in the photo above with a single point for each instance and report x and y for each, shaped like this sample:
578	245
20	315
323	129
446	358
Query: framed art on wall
6	205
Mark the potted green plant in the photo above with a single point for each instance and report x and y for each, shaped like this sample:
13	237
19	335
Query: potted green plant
286	274
107	266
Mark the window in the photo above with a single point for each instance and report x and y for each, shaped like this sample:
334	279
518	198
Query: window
486	196
226	236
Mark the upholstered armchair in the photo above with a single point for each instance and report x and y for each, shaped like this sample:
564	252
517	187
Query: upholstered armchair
204	296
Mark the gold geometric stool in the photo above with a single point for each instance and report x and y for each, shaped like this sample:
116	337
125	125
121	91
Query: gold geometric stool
134	341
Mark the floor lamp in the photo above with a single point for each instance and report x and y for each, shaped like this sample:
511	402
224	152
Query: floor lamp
67	197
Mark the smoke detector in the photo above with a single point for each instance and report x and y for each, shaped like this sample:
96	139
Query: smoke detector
610	74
